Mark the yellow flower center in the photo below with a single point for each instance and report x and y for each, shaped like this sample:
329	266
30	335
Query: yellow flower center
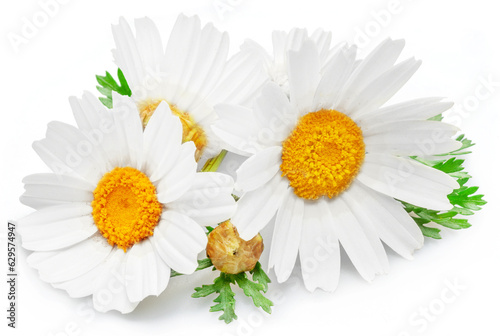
323	154
191	131
125	207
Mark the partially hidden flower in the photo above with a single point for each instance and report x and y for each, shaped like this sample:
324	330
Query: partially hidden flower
276	63
122	207
192	74
329	162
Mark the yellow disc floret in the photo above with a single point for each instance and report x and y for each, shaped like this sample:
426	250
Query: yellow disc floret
323	154
191	131
125	207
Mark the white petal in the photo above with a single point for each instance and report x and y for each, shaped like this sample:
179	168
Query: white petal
417	109
178	239
362	246
279	45
410	138
407	180
237	128
97	124
275	114
127	134
286	236
319	249
145	272
359	237
387	216
39	203
182	47
243	77
382	88
53	235
88	112
46	150
109	288
304	75
257	207
376	63
180	177
84	285
208	67
209	200
44	190
73	261
258	169
55	213
334	78
149	45
162	142
58	188
59	180
322	39
295	39
66	149
127	55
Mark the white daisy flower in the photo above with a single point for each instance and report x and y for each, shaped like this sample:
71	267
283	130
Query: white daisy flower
328	162
276	65
122	207
191	74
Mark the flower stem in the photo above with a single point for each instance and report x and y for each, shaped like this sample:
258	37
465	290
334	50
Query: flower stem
213	164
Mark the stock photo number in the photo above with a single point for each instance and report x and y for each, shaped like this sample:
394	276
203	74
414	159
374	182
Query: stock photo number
11	275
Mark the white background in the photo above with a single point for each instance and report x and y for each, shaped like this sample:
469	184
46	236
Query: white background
459	44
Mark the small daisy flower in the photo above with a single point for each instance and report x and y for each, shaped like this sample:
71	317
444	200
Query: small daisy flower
329	163
276	65
122	208
191	74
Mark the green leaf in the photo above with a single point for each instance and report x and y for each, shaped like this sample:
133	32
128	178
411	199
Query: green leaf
260	276
107	84
225	301
439	117
464	199
253	290
427	231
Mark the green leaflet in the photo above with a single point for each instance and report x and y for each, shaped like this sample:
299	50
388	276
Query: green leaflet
253	290
465	201
107	84
225	301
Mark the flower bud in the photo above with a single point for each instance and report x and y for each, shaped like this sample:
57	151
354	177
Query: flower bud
231	254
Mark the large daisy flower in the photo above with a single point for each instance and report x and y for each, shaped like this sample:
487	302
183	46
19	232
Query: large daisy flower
191	74
329	163
122	207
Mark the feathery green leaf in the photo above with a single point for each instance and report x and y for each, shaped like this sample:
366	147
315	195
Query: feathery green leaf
107	84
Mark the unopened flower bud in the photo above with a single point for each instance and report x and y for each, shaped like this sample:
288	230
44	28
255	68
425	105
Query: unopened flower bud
231	254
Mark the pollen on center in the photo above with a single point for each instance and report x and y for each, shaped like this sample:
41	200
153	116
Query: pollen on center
191	131
125	207
323	154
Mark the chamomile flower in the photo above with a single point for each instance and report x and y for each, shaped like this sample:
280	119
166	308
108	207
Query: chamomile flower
191	74
276	65
122	208
329	162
